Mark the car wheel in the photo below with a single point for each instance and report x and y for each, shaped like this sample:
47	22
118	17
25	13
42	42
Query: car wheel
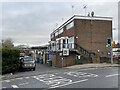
33	69
23	69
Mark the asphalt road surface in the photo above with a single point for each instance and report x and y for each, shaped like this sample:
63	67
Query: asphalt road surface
87	78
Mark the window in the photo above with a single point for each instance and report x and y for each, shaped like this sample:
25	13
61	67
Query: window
70	25
56	33
64	43
52	35
61	30
52	46
71	42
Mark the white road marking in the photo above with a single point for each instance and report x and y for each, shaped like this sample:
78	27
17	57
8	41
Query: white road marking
23	84
70	83
52	79
112	75
14	86
27	77
6	81
12	79
19	78
15	79
80	74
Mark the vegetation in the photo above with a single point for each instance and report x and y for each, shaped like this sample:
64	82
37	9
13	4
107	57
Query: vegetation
10	60
7	43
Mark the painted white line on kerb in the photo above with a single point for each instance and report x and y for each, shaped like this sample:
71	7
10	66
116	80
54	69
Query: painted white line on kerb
112	75
14	86
70	83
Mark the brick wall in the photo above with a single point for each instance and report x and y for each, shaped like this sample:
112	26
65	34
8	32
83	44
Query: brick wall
63	61
93	34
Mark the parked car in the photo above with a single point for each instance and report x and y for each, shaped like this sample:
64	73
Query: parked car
27	62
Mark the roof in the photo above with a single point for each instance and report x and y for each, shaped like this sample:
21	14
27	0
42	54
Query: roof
83	17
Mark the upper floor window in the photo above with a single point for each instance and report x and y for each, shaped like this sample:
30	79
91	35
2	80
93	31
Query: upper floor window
70	25
61	30
52	35
56	33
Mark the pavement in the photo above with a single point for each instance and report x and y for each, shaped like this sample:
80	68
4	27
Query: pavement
41	69
93	65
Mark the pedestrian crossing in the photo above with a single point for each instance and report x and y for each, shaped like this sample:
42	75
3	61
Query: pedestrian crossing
51	80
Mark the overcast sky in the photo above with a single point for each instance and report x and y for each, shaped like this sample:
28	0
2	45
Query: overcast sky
32	22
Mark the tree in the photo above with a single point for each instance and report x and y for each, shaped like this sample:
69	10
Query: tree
7	43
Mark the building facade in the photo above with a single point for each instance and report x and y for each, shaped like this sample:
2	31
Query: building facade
81	36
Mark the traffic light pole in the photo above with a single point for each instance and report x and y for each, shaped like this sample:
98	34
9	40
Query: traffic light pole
111	55
109	41
111	52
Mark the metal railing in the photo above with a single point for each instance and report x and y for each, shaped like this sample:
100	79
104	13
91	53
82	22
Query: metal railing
71	47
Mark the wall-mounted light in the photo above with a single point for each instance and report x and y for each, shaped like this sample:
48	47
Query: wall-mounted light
98	51
76	36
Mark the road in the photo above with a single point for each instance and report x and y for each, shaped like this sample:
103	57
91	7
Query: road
78	78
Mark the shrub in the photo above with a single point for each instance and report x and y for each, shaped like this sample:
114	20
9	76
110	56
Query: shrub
10	60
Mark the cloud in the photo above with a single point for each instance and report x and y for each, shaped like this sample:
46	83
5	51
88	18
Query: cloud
32	22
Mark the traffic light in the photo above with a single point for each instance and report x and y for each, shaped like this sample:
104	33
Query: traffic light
113	44
109	42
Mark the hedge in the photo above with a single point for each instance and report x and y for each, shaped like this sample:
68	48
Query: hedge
10	60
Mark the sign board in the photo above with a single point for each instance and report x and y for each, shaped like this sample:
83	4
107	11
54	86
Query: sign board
79	56
52	52
60	54
65	52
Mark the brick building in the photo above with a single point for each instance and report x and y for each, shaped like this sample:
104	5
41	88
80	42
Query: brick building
80	36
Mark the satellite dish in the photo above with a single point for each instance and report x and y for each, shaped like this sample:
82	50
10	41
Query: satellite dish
92	13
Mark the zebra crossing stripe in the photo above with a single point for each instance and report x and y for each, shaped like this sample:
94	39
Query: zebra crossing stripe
14	86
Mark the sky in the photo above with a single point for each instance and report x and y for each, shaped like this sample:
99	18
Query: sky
31	22
119	22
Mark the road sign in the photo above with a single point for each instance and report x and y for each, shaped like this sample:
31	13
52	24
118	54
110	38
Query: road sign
65	52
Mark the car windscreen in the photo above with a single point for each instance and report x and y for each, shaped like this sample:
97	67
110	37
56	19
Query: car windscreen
28	59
